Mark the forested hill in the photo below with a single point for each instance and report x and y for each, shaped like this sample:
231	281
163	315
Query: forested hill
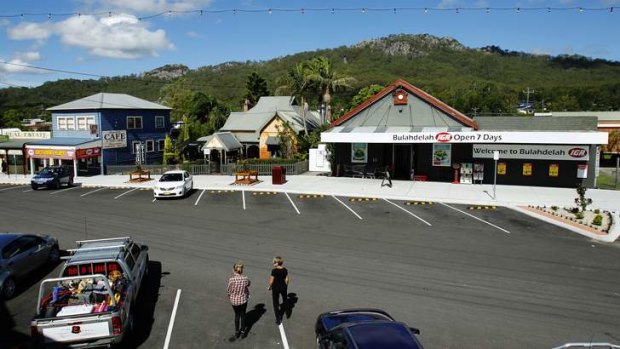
485	80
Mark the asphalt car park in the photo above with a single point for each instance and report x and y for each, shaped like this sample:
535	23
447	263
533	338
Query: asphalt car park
467	278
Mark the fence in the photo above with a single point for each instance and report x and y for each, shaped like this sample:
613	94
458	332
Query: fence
212	169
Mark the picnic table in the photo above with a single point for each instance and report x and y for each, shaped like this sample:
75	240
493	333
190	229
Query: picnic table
246	177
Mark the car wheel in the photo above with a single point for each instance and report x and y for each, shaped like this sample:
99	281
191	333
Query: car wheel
70	183
34	186
54	256
56	184
8	290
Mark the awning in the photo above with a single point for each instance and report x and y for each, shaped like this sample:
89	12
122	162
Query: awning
409	135
272	141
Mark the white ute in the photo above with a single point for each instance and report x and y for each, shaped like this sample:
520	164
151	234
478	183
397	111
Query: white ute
92	303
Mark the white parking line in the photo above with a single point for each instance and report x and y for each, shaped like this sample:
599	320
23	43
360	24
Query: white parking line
411	213
203	191
127	192
474	217
348	208
94	191
60	191
25	191
9	188
292	203
243	196
172	316
283	335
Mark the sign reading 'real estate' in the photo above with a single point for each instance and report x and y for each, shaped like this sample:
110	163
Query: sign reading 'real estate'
114	139
532	152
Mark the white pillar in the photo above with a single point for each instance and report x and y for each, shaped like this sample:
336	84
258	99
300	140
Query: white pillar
31	166
75	171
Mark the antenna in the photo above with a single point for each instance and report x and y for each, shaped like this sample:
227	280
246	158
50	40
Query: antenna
527	96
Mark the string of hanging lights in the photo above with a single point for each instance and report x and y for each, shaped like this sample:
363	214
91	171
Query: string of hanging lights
329	10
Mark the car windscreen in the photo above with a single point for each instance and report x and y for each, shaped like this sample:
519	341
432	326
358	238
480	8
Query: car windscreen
48	171
171	177
383	335
332	320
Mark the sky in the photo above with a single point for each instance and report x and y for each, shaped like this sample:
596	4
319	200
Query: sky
122	37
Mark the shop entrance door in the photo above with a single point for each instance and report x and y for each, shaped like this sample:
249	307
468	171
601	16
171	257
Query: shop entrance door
403	161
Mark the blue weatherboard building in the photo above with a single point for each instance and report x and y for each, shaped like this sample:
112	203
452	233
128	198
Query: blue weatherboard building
102	129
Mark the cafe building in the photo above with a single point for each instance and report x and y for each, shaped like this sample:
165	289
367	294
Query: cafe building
415	136
101	130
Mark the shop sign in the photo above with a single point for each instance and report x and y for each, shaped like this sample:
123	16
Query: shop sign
554	170
370	135
29	135
532	152
527	168
501	168
88	153
114	139
442	154
50	153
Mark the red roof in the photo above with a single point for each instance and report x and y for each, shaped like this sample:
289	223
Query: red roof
458	116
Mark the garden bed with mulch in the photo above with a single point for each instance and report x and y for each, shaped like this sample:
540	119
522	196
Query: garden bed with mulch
572	217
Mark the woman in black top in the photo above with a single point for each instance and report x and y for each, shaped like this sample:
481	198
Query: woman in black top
278	283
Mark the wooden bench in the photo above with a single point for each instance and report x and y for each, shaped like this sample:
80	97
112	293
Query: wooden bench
140	176
246	177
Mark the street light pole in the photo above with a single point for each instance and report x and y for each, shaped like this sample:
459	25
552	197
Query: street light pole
495	157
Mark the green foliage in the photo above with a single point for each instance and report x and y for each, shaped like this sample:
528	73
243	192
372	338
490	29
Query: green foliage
581	199
256	87
489	80
364	94
579	215
598	220
169	152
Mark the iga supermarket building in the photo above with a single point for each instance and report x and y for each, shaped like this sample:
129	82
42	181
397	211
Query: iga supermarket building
416	136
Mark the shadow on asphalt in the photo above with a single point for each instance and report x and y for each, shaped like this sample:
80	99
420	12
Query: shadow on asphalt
145	308
252	316
291	300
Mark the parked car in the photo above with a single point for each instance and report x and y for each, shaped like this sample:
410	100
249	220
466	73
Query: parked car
173	184
93	301
21	254
363	328
52	177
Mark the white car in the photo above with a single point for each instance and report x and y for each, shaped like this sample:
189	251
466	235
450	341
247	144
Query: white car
173	184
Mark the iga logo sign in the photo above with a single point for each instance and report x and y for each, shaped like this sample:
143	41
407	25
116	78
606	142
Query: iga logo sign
443	137
577	152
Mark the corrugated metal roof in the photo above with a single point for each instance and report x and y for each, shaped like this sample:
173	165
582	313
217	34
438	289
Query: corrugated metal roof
536	123
223	141
63	141
601	115
109	101
16	144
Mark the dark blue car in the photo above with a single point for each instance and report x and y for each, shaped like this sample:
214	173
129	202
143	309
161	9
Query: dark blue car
52	177
363	329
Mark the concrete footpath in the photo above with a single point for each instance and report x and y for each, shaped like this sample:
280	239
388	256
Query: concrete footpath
470	194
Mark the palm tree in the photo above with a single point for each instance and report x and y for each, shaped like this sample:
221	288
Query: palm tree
296	82
327	81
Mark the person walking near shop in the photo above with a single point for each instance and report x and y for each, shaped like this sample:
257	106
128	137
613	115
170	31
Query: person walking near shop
278	284
238	294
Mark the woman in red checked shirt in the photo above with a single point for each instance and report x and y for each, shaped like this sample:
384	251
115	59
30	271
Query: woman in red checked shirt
238	294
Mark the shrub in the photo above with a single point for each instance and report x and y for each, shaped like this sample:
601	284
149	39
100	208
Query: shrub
555	208
598	220
574	210
597	211
579	215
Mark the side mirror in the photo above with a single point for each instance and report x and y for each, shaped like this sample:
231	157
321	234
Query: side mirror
144	248
414	330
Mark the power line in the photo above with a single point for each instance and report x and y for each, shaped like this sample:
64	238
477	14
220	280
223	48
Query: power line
331	10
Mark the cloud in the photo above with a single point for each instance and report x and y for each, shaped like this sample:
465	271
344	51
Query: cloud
122	36
155	6
20	64
31	31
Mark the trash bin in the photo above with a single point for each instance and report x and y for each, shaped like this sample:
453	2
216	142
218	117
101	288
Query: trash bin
278	175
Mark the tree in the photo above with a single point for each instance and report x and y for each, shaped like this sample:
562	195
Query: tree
169	153
364	94
296	82
327	81
256	87
180	98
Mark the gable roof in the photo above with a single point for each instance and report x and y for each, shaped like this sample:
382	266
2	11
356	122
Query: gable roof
422	110
255	119
109	101
222	141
